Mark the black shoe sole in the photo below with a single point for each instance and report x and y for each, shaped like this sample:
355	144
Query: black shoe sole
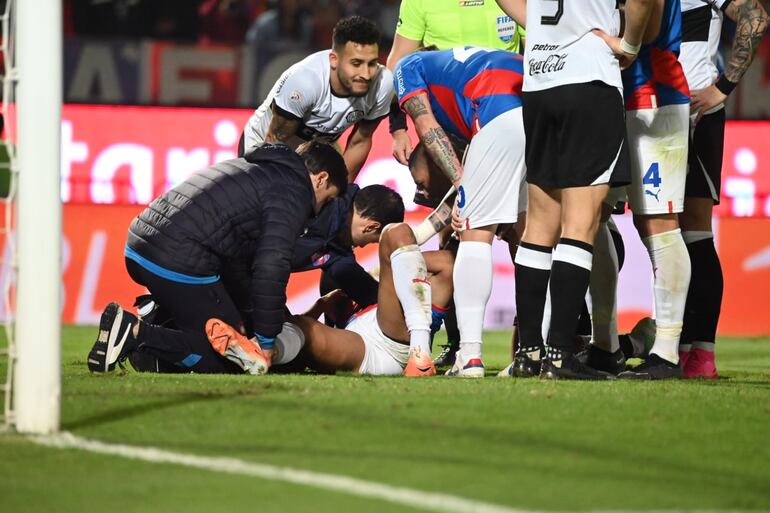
97	357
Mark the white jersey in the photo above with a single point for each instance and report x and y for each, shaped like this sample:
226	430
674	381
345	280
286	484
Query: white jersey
562	50
304	92
701	29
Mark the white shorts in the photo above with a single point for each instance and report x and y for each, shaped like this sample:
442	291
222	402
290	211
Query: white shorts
382	356
493	190
658	140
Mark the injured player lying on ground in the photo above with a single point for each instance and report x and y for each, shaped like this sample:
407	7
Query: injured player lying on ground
390	338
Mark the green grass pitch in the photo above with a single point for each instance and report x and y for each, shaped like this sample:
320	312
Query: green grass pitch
529	444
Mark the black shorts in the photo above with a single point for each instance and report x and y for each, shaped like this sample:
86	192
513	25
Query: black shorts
576	136
707	144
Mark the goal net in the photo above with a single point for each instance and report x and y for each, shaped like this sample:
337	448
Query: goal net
30	213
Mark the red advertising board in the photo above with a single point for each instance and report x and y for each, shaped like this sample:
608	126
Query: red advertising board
116	159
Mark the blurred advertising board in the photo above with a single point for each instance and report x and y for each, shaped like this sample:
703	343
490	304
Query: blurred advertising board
117	159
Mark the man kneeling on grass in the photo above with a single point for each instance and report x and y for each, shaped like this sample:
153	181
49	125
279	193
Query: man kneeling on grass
392	337
243	213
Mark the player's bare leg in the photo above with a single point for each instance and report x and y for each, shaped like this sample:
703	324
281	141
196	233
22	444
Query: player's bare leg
404	296
604	352
328	348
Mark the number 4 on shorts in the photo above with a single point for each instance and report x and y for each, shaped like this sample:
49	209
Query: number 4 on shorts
652	176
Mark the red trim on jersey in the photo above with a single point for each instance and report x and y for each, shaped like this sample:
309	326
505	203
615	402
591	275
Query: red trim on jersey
666	69
642	97
358	314
494	81
410	95
476	127
670	207
445	97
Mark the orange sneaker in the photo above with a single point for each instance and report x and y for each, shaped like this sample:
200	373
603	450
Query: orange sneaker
243	352
419	364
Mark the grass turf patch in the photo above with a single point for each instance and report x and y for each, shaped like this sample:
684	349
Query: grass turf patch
523	443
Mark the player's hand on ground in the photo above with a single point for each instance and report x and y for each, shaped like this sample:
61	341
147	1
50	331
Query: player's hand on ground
703	100
625	59
402	146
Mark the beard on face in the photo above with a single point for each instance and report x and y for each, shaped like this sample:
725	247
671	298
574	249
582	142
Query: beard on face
348	84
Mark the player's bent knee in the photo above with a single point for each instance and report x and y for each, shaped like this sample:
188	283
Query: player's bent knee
394	236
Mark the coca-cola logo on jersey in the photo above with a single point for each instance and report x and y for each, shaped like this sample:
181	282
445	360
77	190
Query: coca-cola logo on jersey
550	64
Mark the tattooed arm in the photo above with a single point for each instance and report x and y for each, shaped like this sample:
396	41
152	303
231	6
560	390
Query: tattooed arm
436	220
751	21
281	128
434	138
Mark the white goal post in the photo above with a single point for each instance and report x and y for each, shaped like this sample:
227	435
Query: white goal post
36	392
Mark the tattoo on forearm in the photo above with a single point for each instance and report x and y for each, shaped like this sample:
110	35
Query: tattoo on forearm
440	149
751	22
441	217
415	107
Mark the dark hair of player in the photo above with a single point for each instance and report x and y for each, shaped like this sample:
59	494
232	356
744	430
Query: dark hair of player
356	29
379	203
320	156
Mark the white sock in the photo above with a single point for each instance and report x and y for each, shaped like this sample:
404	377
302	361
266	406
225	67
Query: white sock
603	287
410	279
473	285
671	267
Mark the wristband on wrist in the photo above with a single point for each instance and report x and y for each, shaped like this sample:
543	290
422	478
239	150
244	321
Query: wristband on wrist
629	48
725	86
397	119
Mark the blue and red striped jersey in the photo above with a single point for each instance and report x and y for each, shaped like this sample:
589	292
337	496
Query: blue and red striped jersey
656	77
468	87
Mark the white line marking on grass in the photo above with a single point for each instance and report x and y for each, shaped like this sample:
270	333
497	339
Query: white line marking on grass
342	484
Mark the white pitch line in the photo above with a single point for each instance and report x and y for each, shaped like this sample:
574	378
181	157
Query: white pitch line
347	485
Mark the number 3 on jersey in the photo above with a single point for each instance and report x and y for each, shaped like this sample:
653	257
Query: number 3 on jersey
553	20
652	176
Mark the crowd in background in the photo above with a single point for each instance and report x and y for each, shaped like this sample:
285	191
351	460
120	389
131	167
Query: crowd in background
275	24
